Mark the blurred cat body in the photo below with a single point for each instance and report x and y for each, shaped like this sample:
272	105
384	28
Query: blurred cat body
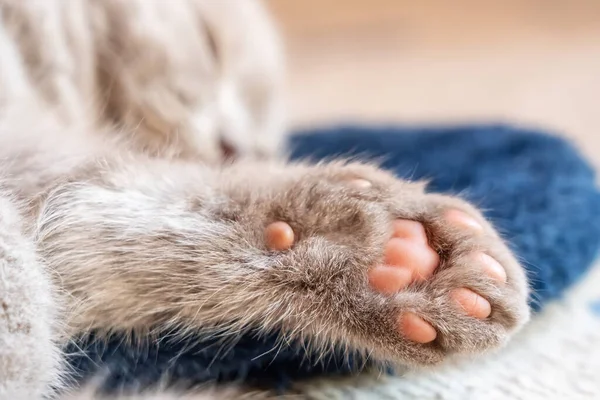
191	78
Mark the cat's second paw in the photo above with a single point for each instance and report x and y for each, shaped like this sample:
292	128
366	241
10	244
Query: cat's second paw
380	265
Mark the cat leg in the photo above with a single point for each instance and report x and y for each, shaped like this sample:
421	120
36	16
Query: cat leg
337	253
29	356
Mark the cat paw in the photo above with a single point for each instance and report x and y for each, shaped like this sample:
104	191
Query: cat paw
380	265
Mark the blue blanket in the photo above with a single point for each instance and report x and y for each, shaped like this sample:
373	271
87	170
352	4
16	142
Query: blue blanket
535	188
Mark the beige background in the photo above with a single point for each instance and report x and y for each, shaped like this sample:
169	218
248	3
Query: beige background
530	61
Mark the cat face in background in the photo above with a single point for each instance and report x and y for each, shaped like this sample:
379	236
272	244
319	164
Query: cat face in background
198	78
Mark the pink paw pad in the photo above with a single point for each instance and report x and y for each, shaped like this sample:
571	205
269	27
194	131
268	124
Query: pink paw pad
279	236
409	258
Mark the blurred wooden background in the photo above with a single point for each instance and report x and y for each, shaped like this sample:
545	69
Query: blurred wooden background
528	61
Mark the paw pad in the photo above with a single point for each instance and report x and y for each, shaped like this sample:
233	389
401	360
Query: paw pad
471	303
409	258
279	236
415	329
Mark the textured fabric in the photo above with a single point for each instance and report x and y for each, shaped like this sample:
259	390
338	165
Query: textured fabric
556	357
536	189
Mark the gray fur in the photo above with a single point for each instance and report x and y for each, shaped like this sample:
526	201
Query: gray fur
123	229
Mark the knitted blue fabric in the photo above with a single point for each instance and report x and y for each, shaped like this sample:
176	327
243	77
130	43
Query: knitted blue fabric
535	188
